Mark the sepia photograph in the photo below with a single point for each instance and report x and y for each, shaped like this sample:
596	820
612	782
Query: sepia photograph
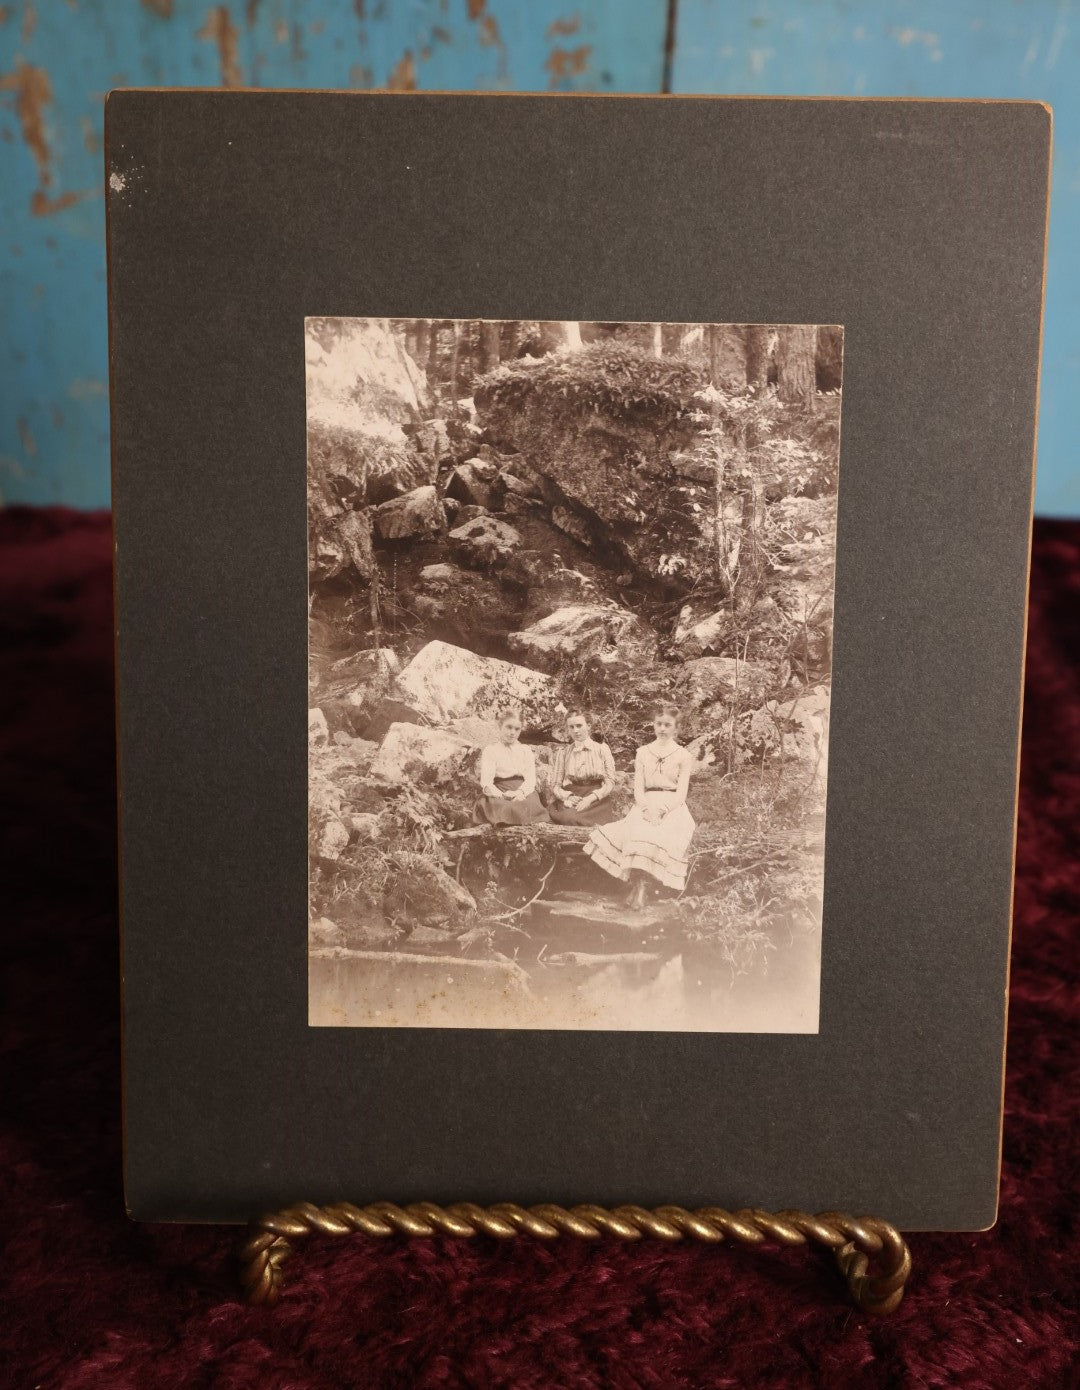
570	638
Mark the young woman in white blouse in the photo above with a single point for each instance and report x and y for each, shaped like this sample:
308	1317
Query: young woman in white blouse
508	779
653	840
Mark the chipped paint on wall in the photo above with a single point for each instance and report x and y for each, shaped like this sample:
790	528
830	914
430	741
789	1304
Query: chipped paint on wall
220	29
58	60
565	63
403	77
33	93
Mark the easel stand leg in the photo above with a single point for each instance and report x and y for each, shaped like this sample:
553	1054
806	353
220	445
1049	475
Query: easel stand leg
872	1255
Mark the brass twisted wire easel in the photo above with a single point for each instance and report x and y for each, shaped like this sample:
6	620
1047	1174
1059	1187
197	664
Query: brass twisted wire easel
855	1242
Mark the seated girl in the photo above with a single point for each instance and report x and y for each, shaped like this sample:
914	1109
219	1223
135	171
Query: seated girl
508	779
583	777
653	840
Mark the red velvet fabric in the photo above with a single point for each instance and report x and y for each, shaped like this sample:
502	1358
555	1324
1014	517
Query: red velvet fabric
89	1299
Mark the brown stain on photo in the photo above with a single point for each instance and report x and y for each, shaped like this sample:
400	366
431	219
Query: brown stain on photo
162	8
220	29
563	28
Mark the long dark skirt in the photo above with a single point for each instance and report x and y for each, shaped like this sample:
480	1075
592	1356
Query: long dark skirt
600	814
496	810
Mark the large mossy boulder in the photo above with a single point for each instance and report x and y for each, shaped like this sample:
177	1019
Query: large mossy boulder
600	430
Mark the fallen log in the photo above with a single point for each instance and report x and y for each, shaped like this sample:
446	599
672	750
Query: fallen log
610	914
598	961
567	834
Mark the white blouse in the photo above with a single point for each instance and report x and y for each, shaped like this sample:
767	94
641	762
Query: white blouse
500	760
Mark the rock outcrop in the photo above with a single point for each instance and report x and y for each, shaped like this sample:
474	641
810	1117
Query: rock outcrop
485	543
443	682
796	728
708	679
341	542
579	631
421	892
416	513
472	482
410	749
599	429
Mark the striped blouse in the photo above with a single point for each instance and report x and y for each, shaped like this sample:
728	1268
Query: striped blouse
575	762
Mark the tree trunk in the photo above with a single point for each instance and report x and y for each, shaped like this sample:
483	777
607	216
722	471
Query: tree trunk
691	337
557	336
510	335
795	352
727	356
751	582
489	344
454	353
658	340
758	353
829	358
422	342
433	360
719	529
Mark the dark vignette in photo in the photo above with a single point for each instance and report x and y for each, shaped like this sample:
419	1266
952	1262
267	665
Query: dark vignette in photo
570	633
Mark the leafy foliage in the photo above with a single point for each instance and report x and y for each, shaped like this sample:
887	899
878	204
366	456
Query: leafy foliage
604	377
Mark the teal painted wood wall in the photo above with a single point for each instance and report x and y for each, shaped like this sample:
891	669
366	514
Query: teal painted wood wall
59	57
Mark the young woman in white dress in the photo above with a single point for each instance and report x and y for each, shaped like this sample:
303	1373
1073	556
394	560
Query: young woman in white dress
653	840
508	779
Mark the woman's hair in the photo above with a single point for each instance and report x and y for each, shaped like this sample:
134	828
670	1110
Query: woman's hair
576	714
511	712
665	707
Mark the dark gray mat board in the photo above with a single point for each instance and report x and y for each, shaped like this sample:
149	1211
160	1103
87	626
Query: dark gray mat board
918	226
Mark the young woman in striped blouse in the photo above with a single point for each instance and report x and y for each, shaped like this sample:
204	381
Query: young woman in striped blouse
582	777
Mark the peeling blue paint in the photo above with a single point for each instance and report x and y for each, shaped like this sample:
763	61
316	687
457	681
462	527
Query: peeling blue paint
54	421
53	360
